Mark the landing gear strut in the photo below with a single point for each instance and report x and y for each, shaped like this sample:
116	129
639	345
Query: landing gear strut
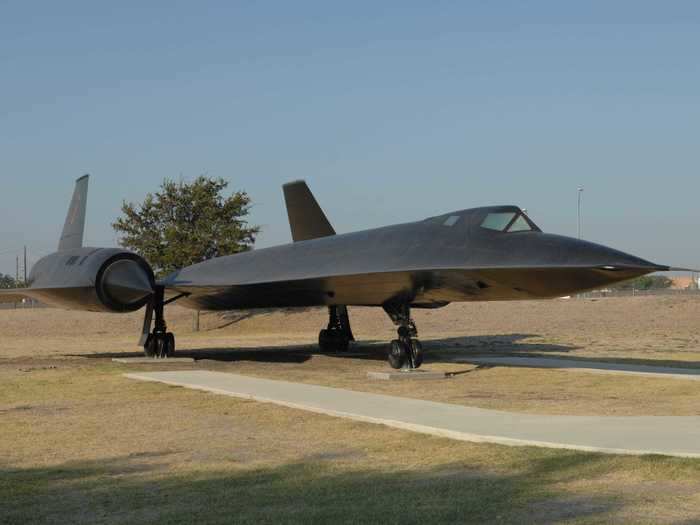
337	337
405	352
159	343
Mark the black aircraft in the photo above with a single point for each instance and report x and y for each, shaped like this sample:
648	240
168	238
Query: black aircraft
482	254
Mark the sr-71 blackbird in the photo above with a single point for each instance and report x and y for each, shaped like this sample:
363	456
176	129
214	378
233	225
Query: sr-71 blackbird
482	254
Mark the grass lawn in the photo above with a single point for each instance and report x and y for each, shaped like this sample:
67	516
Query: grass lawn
81	444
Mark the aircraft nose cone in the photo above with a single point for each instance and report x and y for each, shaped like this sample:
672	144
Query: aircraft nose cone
576	265
126	282
607	266
575	252
611	259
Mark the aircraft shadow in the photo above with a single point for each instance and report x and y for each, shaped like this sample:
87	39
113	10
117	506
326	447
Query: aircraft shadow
441	350
613	364
437	350
503	343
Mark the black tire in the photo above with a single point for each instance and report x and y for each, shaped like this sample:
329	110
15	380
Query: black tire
417	351
169	344
161	346
397	354
324	341
149	349
342	343
332	341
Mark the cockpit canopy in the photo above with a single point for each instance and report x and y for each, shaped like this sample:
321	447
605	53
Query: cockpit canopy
508	222
490	219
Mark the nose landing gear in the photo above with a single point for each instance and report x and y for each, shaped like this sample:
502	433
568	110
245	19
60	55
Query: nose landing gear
406	352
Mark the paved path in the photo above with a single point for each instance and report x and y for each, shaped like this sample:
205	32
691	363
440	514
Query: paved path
673	436
600	367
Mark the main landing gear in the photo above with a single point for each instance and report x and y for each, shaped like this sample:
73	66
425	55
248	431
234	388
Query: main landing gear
406	352
158	343
337	337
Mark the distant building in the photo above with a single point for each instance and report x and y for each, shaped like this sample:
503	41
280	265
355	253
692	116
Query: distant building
682	282
686	282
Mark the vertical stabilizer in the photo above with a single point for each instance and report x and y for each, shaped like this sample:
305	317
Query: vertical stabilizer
74	227
306	218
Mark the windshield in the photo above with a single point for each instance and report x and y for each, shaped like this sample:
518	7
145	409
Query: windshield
509	221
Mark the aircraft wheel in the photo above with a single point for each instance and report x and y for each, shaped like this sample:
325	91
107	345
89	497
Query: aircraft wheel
169	349
417	351
159	345
324	341
342	343
397	354
149	349
333	341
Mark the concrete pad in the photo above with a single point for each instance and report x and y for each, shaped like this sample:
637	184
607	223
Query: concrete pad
665	435
152	361
406	375
597	367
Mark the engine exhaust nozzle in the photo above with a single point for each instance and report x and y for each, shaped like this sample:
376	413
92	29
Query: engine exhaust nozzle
127	283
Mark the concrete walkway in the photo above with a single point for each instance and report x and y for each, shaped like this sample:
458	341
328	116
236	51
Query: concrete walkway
672	436
600	367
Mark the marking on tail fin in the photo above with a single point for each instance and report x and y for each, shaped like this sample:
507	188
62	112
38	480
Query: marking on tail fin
74	227
306	218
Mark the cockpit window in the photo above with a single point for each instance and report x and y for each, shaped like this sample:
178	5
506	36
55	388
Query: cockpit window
451	220
498	221
519	225
506	222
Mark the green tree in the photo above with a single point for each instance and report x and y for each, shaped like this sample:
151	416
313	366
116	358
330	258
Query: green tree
186	223
646	282
7	282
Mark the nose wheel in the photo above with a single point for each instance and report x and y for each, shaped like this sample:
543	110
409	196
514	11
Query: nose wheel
406	352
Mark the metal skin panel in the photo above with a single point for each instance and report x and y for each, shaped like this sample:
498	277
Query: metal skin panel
425	263
68	279
92	279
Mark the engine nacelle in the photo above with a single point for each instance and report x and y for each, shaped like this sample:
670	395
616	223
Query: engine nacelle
93	279
124	282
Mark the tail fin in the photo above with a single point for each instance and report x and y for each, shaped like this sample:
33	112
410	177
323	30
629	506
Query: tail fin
74	227
306	218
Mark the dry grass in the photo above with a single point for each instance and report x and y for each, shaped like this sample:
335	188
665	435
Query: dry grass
79	443
84	445
646	330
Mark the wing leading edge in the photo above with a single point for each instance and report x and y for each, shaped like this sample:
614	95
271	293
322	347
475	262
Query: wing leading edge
415	286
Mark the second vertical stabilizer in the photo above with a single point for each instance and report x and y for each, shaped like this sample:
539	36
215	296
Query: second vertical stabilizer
74	227
306	218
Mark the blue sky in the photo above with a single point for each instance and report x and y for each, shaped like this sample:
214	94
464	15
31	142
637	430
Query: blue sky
392	111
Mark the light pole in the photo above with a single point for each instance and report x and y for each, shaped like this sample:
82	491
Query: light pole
580	191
